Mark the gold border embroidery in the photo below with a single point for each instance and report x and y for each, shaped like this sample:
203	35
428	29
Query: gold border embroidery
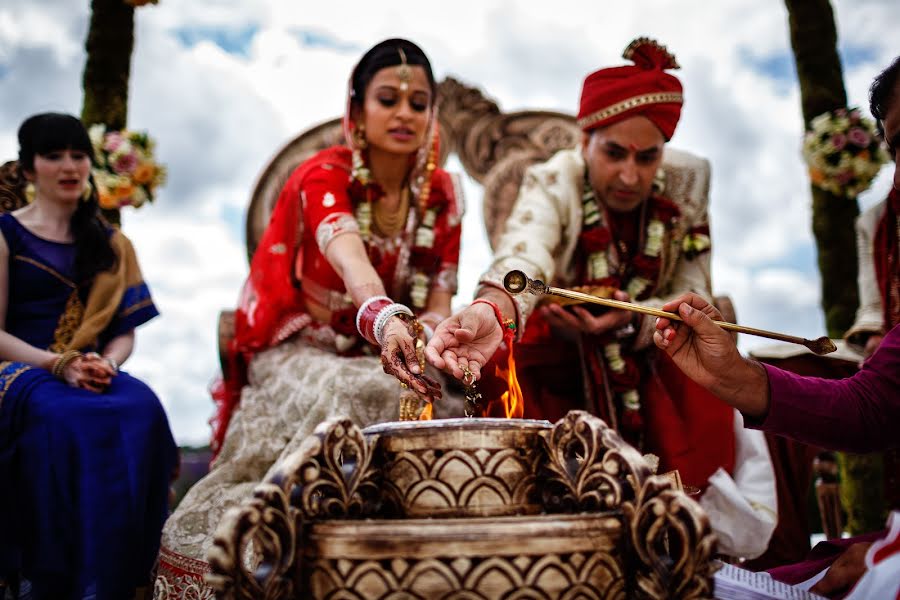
135	307
634	101
9	380
53	272
68	323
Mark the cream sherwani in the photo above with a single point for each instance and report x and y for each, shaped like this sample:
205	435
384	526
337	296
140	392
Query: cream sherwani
870	314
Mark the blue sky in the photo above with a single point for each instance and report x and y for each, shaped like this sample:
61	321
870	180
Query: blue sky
223	84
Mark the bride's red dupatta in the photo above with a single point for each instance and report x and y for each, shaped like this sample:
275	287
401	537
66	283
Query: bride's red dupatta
271	303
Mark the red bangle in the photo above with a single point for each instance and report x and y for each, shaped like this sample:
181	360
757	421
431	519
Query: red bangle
508	325
366	315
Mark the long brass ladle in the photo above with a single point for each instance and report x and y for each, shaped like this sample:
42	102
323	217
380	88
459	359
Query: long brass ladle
517	282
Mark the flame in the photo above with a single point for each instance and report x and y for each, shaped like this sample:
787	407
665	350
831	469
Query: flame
426	414
513	401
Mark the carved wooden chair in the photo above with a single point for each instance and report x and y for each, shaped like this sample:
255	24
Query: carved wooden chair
12	187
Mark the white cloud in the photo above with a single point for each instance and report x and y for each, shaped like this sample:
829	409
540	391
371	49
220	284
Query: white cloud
219	117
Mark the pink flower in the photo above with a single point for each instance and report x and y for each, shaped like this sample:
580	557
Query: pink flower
114	139
839	140
125	163
859	137
844	177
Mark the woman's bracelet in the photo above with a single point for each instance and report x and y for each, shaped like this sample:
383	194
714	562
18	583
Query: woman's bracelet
113	363
62	361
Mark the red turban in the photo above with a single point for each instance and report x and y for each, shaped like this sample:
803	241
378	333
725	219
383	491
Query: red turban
617	93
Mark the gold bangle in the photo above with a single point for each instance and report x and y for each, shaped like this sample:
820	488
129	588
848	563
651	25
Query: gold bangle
60	364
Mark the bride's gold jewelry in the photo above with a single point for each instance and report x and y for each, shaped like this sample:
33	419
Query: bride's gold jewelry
473	396
390	223
403	71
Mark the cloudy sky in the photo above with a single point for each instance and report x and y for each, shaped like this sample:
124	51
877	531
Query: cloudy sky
223	84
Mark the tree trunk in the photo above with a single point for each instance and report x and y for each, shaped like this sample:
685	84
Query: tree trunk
107	69
814	40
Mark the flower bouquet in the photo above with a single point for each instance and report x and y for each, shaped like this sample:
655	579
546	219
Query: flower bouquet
125	171
843	151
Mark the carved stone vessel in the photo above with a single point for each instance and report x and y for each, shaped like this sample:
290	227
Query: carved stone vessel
333	521
459	467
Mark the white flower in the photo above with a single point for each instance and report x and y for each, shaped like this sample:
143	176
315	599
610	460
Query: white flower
636	286
598	268
95	133
655	232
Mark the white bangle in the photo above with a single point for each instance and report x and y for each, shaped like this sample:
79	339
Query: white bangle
112	363
384	315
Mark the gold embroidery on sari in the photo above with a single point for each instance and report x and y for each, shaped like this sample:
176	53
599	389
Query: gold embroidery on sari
7	380
68	323
44	267
135	307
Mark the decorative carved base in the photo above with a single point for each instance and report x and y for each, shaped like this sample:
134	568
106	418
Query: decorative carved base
541	557
318	527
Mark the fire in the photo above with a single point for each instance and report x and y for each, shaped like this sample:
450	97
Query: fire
513	401
426	414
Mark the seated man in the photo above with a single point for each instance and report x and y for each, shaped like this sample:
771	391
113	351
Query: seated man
592	217
873	236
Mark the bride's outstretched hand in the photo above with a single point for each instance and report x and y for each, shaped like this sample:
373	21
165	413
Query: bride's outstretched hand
468	339
400	359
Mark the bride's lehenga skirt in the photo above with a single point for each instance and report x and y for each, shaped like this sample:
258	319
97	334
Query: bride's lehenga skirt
292	388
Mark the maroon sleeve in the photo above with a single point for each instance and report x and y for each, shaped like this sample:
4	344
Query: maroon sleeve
857	414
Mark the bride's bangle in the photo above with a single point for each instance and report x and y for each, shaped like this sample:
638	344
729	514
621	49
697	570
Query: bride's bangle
384	315
368	313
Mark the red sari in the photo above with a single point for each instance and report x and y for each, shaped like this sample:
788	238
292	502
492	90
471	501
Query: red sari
320	201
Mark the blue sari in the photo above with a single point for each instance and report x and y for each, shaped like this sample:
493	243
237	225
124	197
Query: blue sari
84	476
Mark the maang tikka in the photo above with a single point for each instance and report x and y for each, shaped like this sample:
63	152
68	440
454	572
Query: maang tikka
403	71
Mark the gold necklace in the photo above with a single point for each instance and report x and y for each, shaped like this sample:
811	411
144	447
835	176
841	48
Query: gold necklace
391	223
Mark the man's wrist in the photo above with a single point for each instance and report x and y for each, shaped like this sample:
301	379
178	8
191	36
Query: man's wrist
501	299
745	387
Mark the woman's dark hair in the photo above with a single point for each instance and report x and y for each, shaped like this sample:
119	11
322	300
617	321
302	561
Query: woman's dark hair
883	92
387	54
51	132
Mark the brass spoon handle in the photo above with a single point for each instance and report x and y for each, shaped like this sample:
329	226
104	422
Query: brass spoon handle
647	310
517	282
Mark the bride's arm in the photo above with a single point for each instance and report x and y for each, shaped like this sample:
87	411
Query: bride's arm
347	256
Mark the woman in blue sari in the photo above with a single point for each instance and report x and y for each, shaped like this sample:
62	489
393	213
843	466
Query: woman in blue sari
86	453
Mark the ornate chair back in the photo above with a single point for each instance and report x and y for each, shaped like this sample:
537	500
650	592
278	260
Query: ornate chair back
12	187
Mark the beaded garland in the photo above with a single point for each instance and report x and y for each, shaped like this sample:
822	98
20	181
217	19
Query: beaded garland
638	278
423	258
